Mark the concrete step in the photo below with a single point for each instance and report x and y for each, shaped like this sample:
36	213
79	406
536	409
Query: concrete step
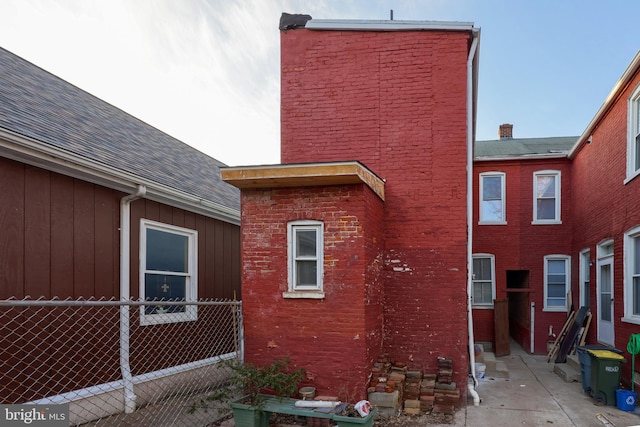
489	359
573	361
567	372
500	370
494	368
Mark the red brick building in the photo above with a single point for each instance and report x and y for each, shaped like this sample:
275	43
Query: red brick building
372	236
398	99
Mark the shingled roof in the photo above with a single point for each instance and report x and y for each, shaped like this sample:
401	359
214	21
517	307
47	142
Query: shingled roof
518	148
43	108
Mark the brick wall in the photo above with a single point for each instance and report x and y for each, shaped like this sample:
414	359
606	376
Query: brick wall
336	338
395	101
520	245
605	208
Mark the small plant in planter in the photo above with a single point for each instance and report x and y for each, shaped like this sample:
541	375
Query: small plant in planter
243	392
276	379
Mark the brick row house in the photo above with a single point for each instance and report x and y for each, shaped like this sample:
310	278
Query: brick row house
373	237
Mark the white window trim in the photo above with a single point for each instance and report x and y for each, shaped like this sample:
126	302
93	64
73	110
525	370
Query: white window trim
585	264
307	292
502	176
191	293
567	286
628	260
493	281
633	105
557	219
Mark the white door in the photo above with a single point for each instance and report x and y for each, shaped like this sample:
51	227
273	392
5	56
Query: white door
605	300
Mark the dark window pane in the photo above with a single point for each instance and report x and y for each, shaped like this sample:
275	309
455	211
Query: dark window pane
636	295
492	188
556	291
605	307
167	251
306	273
636	255
482	269
306	243
546	209
159	287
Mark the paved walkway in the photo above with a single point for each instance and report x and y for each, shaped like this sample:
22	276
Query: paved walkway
534	395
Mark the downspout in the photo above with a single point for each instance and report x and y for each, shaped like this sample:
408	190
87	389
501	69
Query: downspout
470	136
125	295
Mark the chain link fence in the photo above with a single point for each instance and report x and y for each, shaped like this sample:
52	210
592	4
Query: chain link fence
110	366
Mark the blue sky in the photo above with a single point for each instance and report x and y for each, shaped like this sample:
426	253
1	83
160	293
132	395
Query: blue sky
207	71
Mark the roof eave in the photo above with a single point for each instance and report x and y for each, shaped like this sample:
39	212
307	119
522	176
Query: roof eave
628	74
303	175
520	157
35	153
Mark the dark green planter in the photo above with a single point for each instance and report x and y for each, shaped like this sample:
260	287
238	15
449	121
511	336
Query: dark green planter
249	416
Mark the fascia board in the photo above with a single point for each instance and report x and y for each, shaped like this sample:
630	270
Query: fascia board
385	25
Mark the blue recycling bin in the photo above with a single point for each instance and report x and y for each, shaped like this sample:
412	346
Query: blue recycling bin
585	363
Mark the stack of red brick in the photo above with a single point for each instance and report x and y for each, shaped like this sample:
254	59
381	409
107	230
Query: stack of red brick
418	392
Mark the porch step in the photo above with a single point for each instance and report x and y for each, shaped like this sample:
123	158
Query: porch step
567	371
495	368
574	361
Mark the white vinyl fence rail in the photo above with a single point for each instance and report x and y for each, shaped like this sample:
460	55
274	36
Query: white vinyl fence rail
96	357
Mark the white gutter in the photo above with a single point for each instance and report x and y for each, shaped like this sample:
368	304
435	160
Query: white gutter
125	295
521	157
470	139
385	25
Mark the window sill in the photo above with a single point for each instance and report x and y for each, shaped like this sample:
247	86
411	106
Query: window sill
303	295
555	310
634	320
492	222
482	307
631	177
546	222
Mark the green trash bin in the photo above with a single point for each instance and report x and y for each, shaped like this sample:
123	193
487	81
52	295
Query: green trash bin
605	375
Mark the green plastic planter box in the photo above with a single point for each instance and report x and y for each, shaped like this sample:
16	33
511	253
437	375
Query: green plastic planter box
251	416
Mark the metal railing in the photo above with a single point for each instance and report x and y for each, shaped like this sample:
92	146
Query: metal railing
97	357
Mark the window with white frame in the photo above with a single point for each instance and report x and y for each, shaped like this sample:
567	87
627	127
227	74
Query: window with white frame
632	275
492	198
306	257
557	279
484	282
585	278
633	138
546	197
168	272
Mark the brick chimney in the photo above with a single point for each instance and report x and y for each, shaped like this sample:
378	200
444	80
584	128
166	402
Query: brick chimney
505	131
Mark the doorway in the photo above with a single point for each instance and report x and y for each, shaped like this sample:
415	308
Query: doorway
605	300
519	317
